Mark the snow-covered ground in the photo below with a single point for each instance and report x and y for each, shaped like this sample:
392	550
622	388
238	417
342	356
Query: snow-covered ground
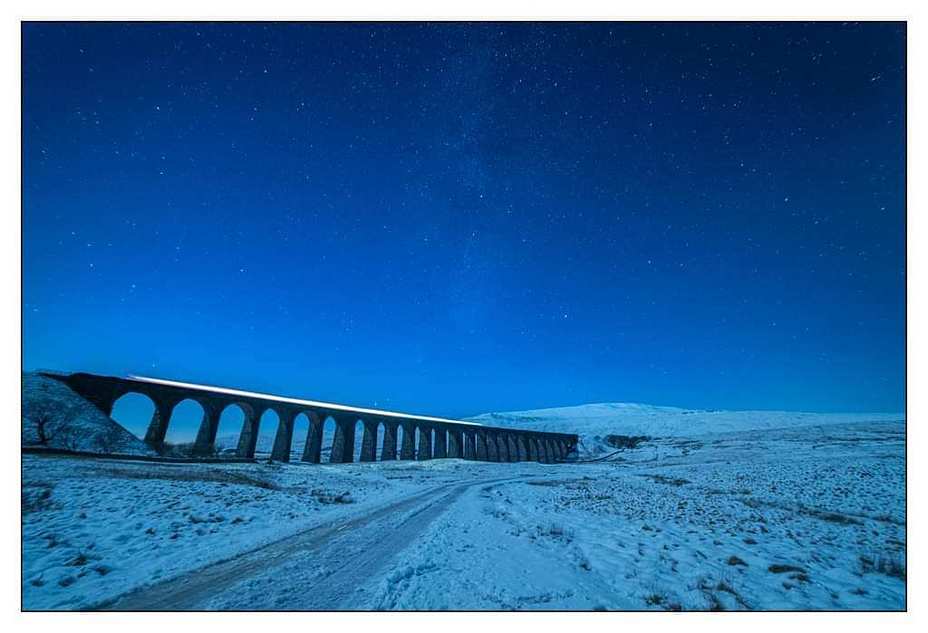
809	518
94	528
719	510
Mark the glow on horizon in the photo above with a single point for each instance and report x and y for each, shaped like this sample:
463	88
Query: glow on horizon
314	403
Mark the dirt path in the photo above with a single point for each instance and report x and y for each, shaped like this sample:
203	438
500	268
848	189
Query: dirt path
315	569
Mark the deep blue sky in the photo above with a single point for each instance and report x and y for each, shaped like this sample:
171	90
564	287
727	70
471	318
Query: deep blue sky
454	218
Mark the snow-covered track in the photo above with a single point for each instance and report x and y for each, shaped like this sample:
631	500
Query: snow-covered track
337	558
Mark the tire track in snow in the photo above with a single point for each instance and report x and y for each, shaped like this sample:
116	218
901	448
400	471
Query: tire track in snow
354	549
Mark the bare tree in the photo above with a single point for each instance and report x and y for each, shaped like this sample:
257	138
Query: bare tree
42	427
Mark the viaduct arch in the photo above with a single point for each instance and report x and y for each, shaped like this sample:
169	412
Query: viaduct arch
423	437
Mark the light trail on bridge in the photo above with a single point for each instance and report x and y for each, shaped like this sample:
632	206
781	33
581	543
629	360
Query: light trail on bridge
452	438
316	403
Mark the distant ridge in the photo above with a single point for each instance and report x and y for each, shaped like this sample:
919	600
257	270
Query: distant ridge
593	422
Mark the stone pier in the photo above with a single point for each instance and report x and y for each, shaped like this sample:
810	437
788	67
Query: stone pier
394	433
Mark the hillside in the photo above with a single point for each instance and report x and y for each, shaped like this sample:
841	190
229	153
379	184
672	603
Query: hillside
593	422
56	417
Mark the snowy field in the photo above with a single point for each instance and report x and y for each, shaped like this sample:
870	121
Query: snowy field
748	515
810	518
94	528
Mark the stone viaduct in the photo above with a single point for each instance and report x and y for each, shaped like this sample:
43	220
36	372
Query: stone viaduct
438	437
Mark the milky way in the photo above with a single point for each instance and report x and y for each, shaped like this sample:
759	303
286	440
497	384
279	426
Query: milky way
454	218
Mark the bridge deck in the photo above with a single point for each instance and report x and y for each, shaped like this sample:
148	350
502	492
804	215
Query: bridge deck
437	437
298	401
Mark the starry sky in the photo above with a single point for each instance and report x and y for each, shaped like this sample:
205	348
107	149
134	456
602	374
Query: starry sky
458	218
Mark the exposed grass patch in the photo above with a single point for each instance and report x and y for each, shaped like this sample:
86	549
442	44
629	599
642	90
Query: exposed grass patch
625	441
727	588
327	497
555	531
825	515
36	496
670	481
887	565
547	483
212	518
833	517
714	603
785	569
175	473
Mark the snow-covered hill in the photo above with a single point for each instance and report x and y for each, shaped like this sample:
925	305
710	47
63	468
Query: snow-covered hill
56	417
593	422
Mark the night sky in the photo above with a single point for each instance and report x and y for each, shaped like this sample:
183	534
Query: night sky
459	218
